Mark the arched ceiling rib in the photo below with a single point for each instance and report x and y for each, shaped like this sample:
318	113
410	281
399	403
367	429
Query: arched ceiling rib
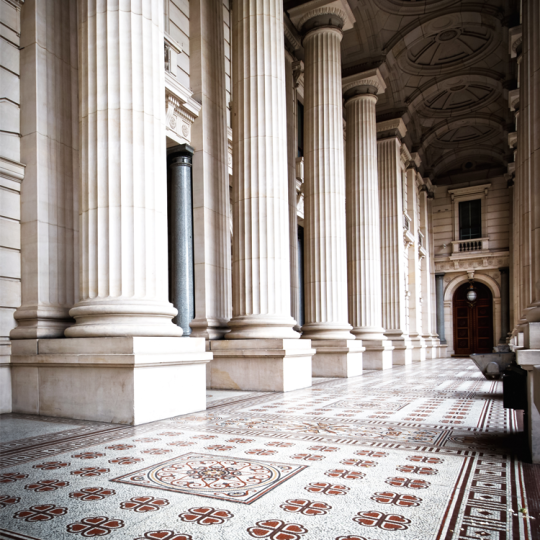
447	69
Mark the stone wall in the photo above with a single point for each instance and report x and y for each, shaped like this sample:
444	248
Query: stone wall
177	27
11	176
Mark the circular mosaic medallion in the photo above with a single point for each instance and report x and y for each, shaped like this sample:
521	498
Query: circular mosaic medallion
213	475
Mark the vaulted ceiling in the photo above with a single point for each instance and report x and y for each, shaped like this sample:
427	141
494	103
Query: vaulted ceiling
448	71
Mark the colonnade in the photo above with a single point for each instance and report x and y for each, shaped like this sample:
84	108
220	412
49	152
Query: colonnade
356	262
355	276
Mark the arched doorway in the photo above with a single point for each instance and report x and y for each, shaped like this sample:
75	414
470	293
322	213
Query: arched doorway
473	322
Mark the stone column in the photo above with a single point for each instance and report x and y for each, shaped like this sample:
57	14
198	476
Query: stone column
505	305
325	275
49	148
123	199
392	248
125	362
257	354
211	199
292	145
413	253
181	274
363	236
439	290
425	273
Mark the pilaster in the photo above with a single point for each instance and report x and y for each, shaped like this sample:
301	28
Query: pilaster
211	197
49	148
392	248
362	211
414	252
324	195
259	352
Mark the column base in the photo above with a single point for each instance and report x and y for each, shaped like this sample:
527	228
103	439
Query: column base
262	365
125	380
34	322
337	357
123	317
209	328
378	354
402	355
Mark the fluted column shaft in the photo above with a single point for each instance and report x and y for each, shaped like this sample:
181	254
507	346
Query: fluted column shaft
324	203
392	249
123	201
211	199
292	145
425	267
261	273
49	148
363	237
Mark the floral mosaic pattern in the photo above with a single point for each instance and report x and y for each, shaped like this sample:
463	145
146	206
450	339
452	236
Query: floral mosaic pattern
231	479
95	526
384	463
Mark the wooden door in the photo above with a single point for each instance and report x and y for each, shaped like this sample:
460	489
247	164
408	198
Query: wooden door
473	324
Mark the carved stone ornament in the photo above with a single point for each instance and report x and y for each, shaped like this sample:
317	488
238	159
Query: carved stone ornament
321	12
372	82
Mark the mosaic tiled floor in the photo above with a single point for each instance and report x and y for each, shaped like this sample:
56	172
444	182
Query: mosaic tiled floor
418	452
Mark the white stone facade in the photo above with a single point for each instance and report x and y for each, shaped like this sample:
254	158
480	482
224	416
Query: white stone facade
394	144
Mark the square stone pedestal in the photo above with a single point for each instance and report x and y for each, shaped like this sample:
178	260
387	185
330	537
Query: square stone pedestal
262	365
377	354
337	357
125	380
402	355
418	349
432	347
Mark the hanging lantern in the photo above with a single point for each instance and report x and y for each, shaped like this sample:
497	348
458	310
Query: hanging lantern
471	294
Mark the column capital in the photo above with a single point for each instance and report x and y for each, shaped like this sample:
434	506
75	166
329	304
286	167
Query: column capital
440	274
181	150
391	128
367	82
322	13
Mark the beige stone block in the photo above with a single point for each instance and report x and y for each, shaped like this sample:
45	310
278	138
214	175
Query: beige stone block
338	357
10	143
7	321
9	86
378	354
264	365
9	117
25	388
10	263
10	204
10	292
9	56
9	16
5	385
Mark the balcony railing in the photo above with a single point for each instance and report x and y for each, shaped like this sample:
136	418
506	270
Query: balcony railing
469	246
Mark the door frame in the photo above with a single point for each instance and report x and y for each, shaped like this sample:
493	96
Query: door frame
450	289
473	317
